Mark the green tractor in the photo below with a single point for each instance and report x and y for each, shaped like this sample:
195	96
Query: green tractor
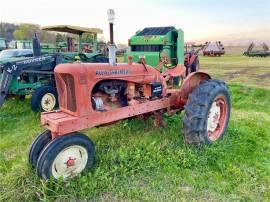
35	75
21	44
161	45
71	52
3	44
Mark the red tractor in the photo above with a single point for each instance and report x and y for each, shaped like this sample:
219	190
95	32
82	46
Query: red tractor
93	95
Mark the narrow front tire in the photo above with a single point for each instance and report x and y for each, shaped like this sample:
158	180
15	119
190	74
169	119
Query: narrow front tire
66	156
44	98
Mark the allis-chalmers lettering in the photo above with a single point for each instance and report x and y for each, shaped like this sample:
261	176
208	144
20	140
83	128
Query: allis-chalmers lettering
112	72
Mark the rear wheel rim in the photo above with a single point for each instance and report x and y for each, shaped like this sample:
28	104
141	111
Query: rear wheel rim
217	118
69	162
48	102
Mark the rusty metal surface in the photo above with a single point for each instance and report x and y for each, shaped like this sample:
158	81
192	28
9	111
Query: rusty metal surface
192	81
69	123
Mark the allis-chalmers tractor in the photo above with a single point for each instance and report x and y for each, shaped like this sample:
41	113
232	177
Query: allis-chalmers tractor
92	94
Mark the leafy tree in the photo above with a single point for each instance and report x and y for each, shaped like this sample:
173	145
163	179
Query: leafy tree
26	31
7	29
88	38
60	38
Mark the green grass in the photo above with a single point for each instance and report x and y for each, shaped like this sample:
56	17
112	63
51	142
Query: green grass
136	161
252	71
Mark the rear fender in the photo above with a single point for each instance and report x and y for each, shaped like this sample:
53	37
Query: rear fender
190	83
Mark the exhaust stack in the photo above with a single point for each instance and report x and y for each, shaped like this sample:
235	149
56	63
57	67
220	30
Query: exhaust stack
112	49
36	46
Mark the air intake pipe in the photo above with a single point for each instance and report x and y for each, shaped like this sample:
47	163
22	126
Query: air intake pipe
112	49
36	46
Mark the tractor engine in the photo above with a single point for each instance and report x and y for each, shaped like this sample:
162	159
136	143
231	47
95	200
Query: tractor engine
108	95
111	94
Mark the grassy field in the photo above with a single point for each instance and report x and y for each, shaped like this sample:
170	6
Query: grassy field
239	69
136	161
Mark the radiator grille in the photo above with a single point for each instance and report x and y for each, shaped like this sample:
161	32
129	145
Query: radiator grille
66	89
146	48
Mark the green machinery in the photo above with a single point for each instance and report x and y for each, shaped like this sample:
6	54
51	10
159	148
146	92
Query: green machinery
35	75
250	52
27	44
94	56
3	44
21	44
157	44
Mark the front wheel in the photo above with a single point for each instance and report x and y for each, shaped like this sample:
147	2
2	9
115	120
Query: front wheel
44	98
66	157
207	113
37	146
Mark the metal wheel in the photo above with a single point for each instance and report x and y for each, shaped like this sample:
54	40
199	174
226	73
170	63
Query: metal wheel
70	162
66	157
217	117
48	102
44	98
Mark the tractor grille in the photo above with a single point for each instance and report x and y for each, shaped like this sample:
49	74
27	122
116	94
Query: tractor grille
66	90
146	48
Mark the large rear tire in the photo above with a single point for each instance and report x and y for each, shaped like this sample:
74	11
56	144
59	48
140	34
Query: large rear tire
44	98
66	157
207	113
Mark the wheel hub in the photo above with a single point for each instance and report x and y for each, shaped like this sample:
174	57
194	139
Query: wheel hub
70	162
217	118
213	117
48	102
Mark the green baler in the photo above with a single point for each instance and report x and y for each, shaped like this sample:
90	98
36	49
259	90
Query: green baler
157	44
3	44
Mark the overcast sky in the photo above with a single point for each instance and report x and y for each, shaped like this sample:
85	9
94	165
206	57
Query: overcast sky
198	18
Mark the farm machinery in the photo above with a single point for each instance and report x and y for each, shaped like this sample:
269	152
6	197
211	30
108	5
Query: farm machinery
92	94
213	49
3	44
162	45
257	53
34	75
21	44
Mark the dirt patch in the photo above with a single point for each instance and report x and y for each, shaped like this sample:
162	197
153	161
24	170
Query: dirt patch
232	75
263	76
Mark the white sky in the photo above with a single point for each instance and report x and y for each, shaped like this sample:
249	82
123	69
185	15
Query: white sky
198	18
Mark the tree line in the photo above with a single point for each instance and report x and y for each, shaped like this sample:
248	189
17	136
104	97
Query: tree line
26	31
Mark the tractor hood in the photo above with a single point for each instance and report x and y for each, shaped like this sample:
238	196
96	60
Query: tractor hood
93	72
10	60
75	81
